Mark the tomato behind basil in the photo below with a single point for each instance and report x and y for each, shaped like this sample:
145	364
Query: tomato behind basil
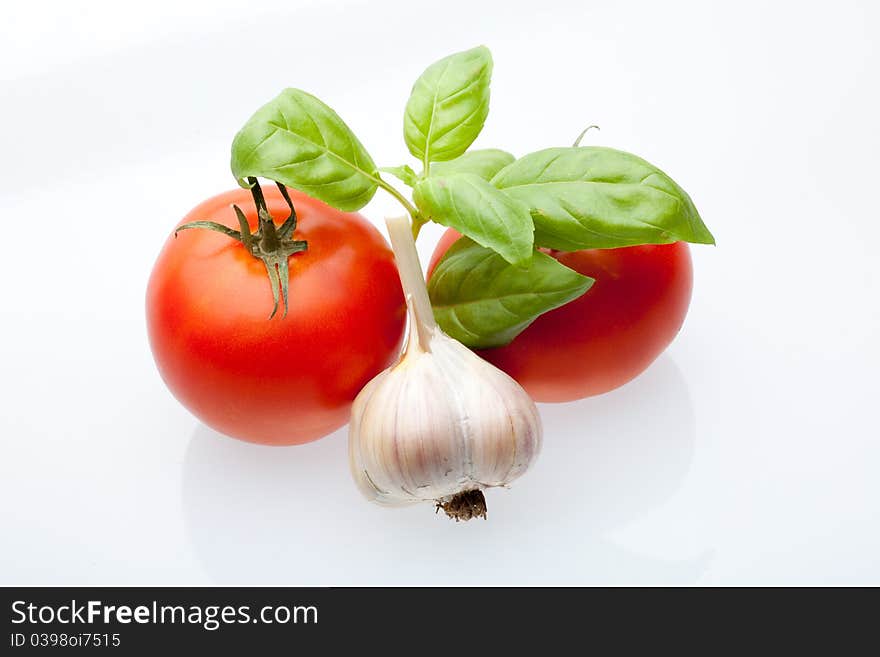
608	336
289	379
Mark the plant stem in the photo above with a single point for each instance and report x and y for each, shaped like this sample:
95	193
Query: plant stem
421	315
409	207
417	224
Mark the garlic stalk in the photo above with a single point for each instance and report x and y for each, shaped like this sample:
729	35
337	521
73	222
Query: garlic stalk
442	424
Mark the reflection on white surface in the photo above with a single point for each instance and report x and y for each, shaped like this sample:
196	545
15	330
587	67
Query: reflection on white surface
290	515
626	452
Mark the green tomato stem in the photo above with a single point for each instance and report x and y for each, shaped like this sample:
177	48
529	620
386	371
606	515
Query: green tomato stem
271	244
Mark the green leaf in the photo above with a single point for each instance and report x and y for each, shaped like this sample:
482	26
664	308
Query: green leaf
594	197
300	142
448	105
484	163
404	174
472	206
483	301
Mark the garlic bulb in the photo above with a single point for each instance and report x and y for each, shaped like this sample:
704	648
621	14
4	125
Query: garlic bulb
442	424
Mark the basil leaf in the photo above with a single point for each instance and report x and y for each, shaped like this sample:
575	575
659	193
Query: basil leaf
300	142
404	174
472	206
448	105
594	197
485	163
483	301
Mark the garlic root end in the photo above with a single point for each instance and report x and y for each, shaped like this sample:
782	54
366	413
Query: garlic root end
464	505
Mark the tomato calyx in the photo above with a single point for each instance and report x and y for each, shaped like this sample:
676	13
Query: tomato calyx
270	243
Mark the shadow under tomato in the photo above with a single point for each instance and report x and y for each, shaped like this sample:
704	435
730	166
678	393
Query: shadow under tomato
291	515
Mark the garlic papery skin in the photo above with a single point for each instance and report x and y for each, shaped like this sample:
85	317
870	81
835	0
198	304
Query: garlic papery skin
442	424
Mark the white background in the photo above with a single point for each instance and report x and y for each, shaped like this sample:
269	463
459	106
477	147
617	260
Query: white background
747	454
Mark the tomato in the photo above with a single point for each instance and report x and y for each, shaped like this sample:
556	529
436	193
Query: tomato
609	335
289	379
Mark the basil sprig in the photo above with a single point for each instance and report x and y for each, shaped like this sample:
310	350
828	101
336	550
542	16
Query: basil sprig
494	282
300	142
472	206
594	198
484	163
483	301
448	106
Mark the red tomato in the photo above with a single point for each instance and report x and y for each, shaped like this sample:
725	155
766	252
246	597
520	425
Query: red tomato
609	335
284	380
